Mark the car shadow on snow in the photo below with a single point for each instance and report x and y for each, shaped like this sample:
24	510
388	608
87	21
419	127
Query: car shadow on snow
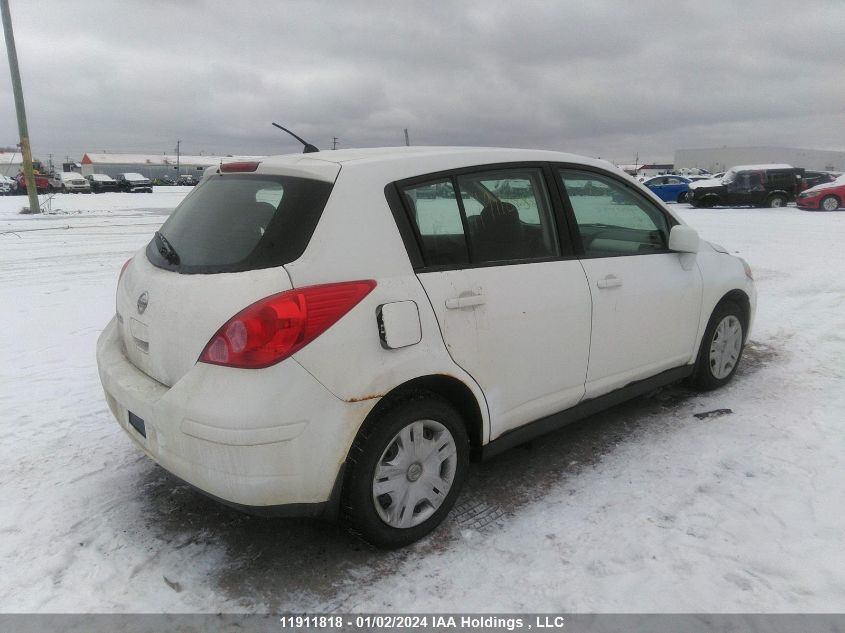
285	564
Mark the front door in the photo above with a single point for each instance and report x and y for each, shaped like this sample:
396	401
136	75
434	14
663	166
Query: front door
646	299
512	303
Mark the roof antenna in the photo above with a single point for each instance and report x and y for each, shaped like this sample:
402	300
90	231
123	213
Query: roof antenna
308	147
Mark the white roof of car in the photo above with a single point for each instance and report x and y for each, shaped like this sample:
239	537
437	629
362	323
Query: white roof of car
134	176
70	175
404	162
101	177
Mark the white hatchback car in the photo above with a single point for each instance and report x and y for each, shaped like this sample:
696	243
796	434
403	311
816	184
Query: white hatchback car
338	334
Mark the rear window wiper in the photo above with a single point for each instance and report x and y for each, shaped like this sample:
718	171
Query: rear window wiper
166	249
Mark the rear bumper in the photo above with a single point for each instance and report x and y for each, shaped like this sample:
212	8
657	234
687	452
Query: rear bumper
269	441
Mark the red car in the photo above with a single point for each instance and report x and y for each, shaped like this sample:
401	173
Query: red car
825	197
42	183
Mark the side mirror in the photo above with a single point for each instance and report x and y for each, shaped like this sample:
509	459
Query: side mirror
683	239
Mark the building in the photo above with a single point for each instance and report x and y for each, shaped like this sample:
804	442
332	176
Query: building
655	169
646	170
720	159
153	165
10	163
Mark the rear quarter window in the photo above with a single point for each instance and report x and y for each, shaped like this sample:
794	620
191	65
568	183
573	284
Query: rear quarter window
232	223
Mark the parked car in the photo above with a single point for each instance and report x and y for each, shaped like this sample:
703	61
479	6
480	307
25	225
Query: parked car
101	183
186	179
825	197
669	188
8	186
134	182
312	337
42	183
69	182
748	185
164	181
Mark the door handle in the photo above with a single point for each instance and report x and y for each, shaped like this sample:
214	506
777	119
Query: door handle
610	281
466	301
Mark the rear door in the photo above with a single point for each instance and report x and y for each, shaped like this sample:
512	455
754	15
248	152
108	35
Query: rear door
646	299
512	302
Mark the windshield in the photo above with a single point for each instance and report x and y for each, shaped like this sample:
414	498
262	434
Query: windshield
240	222
729	176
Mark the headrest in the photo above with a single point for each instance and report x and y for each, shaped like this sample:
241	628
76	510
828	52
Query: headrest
498	216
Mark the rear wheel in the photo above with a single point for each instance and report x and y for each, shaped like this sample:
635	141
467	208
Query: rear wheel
829	203
721	347
404	470
683	196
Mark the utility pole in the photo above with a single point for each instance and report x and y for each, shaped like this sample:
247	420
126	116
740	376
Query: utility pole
334	142
178	143
407	140
26	152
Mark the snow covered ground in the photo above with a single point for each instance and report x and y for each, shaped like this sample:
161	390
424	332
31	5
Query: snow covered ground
645	508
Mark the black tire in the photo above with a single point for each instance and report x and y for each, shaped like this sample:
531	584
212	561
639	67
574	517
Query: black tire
776	201
703	376
683	197
708	202
830	200
357	508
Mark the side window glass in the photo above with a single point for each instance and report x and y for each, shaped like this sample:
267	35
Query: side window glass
434	209
508	215
611	219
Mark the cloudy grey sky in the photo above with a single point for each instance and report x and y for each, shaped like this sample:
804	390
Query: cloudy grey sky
597	77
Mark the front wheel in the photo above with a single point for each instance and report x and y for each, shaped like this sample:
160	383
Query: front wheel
829	203
404	470
776	201
721	348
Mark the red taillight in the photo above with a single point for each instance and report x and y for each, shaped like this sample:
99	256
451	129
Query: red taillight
272	329
123	269
239	166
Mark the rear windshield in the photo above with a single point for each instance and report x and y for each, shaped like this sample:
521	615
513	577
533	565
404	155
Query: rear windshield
239	222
